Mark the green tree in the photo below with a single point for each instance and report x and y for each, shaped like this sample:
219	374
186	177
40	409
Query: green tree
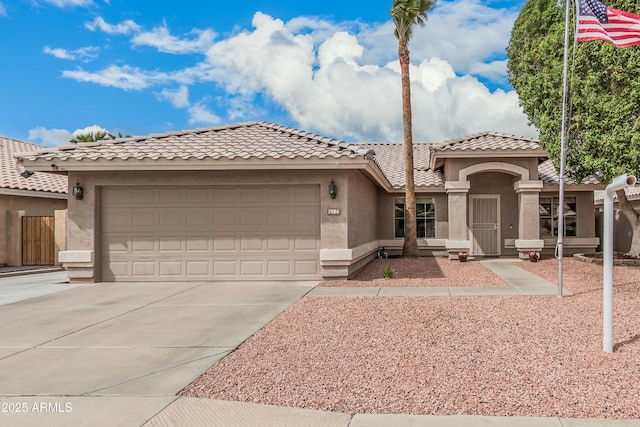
406	15
96	136
602	136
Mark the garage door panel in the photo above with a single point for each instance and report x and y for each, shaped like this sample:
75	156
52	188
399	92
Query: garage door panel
305	218
279	267
225	244
252	195
198	268
279	244
304	268
170	268
199	218
252	244
143	269
141	219
171	196
306	243
261	232
253	219
224	218
198	244
143	244
171	244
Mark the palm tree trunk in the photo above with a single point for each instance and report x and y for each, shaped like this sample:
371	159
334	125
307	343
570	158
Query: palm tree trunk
410	247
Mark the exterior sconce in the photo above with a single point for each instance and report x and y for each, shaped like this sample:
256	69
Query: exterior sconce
78	191
333	190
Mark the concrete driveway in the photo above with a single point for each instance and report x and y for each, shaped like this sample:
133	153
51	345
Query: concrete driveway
100	354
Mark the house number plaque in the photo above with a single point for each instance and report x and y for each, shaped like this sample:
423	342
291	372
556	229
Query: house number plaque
333	211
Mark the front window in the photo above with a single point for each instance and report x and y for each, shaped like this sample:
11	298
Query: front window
425	217
549	207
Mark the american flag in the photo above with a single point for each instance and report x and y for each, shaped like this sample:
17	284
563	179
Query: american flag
597	21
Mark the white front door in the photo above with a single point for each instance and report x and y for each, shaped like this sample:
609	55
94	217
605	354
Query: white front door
485	224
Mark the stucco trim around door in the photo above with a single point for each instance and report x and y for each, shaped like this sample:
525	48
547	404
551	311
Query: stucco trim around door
484	224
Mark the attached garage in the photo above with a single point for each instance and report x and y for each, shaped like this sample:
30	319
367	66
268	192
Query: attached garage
268	232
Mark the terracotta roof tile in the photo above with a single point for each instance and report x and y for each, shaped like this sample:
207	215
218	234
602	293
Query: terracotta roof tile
633	193
489	141
246	141
10	171
548	174
390	159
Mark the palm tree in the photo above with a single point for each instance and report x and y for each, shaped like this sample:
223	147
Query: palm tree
96	136
406	14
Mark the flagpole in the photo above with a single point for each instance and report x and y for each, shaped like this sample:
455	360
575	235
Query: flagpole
560	233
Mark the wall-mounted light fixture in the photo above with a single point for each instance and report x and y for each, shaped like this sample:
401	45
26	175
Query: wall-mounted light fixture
333	189
78	191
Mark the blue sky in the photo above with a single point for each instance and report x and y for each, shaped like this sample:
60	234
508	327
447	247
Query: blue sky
328	67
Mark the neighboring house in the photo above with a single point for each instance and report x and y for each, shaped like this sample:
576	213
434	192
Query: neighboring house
622	230
38	195
260	201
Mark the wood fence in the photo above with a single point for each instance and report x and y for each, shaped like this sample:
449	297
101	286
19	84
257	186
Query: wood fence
38	242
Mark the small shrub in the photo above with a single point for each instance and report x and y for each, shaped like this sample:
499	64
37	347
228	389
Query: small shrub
388	272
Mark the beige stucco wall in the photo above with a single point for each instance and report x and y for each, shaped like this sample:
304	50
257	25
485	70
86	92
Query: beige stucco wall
362	210
32	206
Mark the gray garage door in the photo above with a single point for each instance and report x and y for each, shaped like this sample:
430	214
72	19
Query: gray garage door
210	233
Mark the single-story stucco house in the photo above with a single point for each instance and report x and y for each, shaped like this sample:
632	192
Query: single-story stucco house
27	195
263	201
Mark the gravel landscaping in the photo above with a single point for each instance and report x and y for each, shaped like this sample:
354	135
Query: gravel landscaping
422	272
480	355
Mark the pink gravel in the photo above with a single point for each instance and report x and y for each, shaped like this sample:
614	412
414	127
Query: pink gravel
422	272
481	355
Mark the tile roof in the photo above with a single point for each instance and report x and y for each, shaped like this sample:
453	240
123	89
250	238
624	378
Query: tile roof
633	193
254	140
390	158
10	171
489	141
548	174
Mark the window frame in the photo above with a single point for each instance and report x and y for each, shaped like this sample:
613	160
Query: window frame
547	203
430	216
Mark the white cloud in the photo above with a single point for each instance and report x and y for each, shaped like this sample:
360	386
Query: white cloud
50	137
84	54
325	89
3	11
178	98
200	114
122	77
161	39
125	27
55	137
69	3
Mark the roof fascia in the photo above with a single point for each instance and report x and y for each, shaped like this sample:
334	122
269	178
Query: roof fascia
572	187
32	193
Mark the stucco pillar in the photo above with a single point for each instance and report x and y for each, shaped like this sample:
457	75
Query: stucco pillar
60	233
528	218
79	257
14	238
457	203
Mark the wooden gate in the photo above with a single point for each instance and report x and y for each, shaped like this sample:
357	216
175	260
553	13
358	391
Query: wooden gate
38	244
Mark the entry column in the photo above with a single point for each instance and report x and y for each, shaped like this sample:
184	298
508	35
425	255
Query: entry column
457	203
528	218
